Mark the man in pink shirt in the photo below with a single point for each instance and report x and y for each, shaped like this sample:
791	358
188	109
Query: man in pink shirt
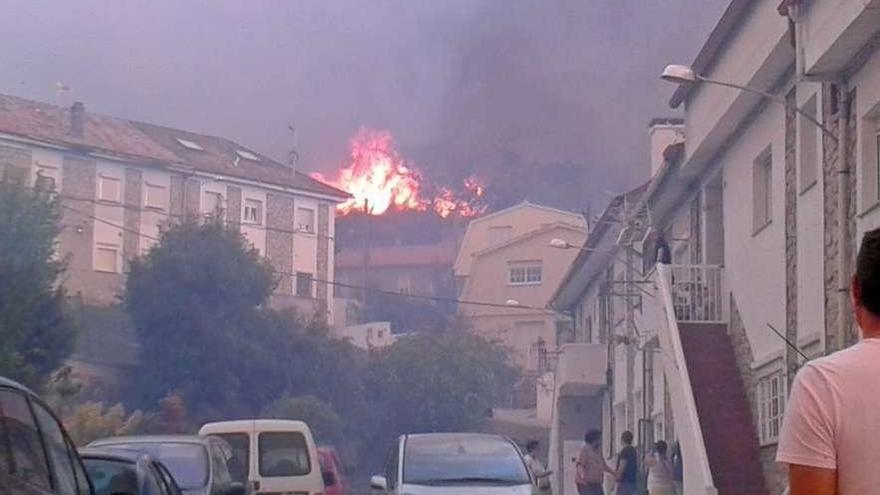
830	438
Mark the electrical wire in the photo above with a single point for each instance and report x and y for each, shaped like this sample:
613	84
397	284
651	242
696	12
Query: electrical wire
334	283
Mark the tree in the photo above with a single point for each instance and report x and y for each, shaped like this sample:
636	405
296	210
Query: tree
194	299
436	382
35	334
326	424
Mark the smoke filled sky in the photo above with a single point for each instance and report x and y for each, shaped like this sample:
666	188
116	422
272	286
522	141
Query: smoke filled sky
463	85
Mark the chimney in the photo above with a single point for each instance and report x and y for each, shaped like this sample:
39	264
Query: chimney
77	120
662	133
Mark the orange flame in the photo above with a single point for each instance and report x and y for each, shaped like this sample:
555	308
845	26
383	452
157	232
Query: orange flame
379	179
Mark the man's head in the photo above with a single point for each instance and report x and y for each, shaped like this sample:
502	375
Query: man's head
866	284
627	437
660	447
532	446
593	438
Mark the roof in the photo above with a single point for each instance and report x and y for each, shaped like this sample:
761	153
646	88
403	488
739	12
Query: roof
110	453
524	204
105	442
398	256
150	144
6	382
708	54
250	424
608	226
530	234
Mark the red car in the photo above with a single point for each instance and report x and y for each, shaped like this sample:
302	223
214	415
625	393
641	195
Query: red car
334	475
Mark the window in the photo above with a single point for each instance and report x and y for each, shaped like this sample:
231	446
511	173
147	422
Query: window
26	460
283	454
109	189
305	220
870	180
771	405
808	134
304	284
192	145
247	155
524	274
498	235
155	196
241	455
44	181
213	203
15	175
107	258
253	211
58	450
762	191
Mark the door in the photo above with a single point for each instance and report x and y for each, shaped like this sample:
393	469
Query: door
284	462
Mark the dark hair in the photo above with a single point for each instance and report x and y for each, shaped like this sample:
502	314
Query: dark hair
661	447
531	445
867	275
593	436
627	437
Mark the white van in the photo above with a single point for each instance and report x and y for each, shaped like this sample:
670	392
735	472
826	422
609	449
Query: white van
275	456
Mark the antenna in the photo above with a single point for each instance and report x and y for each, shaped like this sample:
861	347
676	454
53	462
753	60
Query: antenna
293	154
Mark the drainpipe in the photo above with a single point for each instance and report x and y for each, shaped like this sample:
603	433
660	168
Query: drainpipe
843	204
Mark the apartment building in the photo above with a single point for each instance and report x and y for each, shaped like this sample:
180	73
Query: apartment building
763	211
120	181
507	258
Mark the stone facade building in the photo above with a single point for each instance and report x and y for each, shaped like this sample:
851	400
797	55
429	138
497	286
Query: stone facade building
120	181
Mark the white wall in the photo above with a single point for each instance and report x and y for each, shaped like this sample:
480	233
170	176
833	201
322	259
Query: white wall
755	264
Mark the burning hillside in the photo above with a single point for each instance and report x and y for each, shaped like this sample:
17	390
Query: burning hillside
380	180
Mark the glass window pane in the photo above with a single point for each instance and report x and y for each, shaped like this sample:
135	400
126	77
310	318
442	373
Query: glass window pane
241	455
18	426
111	477
106	259
187	462
305	220
56	444
283	454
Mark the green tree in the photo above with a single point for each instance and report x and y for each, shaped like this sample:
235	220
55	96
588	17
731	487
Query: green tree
436	382
194	299
35	335
326	424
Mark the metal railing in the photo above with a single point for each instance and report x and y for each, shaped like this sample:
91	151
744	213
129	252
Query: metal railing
698	293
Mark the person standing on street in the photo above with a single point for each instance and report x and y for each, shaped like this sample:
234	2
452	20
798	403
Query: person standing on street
591	467
677	468
627	470
829	437
539	472
660	470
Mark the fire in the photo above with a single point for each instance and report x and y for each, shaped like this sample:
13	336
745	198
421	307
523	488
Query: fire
379	179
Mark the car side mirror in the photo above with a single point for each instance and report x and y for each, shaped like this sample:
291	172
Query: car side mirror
235	488
378	483
329	478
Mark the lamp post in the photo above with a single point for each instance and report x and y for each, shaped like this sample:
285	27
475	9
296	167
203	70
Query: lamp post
683	74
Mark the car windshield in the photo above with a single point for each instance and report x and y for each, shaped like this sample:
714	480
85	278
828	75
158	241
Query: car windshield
187	462
110	477
433	460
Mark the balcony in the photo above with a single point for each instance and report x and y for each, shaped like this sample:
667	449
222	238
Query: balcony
698	293
580	369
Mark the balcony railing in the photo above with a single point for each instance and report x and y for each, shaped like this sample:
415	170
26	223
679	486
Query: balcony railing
698	293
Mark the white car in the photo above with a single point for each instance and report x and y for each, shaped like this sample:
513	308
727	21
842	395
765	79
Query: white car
453	463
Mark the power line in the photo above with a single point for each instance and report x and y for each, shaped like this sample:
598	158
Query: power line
334	283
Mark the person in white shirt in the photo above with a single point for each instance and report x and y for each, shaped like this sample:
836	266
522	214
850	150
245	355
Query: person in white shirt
830	437
660	470
539	472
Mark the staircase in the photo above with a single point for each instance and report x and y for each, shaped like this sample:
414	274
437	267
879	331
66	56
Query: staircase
728	433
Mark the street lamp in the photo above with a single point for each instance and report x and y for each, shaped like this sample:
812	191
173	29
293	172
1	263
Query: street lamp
512	303
558	243
683	74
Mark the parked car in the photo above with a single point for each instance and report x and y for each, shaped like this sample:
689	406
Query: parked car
275	456
36	455
198	464
115	471
335	482
454	463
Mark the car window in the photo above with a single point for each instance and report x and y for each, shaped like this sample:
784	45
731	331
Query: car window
111	476
25	458
59	454
391	466
433	460
220	455
187	462
283	454
239	463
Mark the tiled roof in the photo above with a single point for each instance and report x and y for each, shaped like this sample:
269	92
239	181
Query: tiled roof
388	256
138	140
